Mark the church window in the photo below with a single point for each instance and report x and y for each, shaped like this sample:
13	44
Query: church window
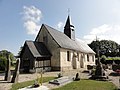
93	58
78	56
88	58
68	55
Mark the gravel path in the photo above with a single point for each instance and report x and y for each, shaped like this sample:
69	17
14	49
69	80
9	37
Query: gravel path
114	79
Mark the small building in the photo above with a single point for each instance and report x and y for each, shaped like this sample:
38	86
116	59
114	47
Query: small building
55	50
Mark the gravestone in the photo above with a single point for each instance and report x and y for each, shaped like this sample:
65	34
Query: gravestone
61	81
7	69
77	77
16	72
99	69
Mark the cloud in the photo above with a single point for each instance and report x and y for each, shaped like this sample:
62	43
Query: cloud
60	25
31	27
32	17
100	30
106	31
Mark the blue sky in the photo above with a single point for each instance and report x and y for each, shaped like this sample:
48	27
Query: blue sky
20	20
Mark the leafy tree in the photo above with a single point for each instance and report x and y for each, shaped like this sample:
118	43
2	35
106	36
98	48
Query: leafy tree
103	59
20	50
105	47
3	58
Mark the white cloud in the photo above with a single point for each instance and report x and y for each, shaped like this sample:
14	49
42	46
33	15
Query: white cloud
31	27
60	25
32	17
99	30
107	32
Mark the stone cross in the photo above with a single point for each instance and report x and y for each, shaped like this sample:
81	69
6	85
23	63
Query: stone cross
99	69
16	73
7	69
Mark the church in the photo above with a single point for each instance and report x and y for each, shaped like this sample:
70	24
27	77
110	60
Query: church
53	50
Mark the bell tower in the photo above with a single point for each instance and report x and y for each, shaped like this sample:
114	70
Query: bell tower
69	29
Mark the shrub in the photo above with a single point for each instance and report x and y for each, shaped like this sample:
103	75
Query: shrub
2	63
103	59
115	67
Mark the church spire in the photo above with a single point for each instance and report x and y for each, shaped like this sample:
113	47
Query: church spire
69	29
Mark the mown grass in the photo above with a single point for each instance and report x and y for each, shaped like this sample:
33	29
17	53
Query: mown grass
88	85
28	83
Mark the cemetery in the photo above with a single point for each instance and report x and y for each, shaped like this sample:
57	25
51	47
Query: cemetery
54	81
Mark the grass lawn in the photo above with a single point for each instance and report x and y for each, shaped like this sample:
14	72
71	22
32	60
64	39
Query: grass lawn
88	85
28	83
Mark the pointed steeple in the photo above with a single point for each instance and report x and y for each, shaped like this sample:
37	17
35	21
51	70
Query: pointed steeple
69	29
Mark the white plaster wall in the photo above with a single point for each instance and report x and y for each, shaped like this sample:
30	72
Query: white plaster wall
90	62
63	59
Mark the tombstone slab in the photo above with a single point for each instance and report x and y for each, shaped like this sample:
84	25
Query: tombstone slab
16	73
7	70
62	80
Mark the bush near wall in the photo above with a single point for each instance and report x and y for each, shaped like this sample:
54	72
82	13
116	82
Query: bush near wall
110	60
113	60
115	67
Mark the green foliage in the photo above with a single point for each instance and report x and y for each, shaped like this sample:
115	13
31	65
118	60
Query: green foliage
3	58
103	59
88	85
113	58
106	47
17	86
20	50
2	63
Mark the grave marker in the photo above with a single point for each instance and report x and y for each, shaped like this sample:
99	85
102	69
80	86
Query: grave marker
16	73
7	69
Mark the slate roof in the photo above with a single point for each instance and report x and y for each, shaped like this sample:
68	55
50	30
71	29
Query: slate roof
38	49
65	42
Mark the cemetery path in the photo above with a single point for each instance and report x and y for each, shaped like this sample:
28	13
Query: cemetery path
4	85
114	79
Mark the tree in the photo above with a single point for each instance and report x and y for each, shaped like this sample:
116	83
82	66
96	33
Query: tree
20	50
106	47
3	58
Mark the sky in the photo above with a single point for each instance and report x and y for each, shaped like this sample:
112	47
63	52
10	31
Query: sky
21	20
